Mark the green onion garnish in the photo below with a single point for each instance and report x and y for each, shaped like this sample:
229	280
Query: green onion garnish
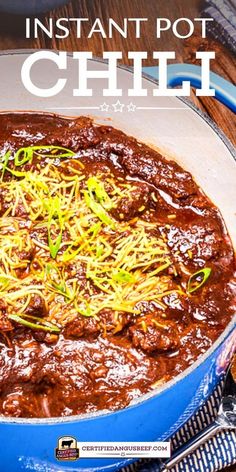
5	160
38	323
16	173
98	210
198	279
98	200
25	154
57	282
54	213
122	276
96	189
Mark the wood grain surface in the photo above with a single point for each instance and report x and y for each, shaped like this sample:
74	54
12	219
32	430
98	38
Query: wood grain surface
12	36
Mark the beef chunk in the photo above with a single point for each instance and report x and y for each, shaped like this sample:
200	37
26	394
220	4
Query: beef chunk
51	130
165	175
177	307
133	205
152	335
210	307
36	306
5	324
27	255
76	135
113	322
81	327
196	243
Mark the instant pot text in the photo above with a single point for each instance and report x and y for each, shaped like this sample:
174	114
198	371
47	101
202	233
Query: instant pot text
60	29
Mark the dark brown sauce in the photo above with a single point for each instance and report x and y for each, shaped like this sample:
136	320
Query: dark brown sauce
104	363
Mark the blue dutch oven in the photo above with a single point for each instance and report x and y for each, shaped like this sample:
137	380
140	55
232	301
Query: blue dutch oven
29	444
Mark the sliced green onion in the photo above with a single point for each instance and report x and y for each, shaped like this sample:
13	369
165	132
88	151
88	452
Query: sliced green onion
16	173
96	188
122	276
39	323
56	282
62	289
87	312
54	212
99	250
54	245
94	229
97	199
5	160
25	154
198	279
98	210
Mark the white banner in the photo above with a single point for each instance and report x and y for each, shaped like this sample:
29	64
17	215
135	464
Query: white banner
124	449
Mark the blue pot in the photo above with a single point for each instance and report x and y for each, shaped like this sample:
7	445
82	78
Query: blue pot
29	445
30	7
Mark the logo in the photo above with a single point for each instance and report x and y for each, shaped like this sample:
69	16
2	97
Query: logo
67	449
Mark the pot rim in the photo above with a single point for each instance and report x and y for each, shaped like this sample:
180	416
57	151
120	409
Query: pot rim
230	328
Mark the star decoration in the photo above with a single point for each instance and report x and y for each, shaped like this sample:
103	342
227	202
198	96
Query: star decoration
104	107
131	107
118	106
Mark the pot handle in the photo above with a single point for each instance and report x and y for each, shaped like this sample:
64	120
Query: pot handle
225	92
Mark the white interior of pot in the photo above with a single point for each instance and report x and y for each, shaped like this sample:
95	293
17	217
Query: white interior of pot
175	128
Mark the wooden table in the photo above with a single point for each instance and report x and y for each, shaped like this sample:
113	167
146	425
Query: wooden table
12	36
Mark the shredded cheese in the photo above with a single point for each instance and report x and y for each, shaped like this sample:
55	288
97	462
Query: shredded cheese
93	265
